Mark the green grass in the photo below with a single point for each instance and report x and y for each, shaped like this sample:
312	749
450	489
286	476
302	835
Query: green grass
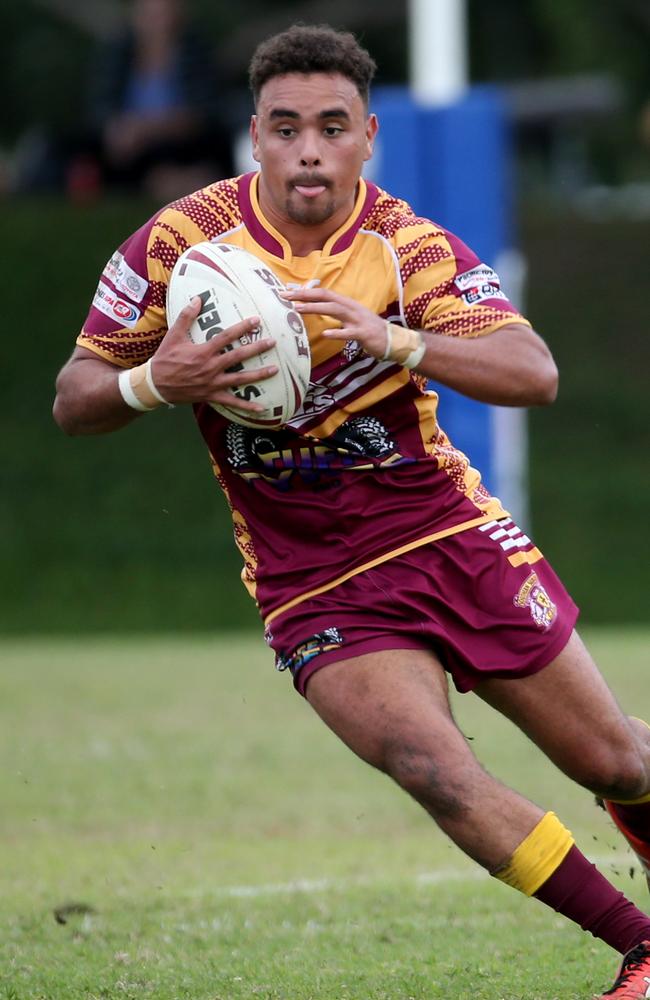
224	845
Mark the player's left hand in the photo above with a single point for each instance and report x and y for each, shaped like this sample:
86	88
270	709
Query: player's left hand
356	322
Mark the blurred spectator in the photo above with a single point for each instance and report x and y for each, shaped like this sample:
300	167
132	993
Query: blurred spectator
644	124
155	119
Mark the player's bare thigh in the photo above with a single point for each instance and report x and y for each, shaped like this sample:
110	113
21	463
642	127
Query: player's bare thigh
371	700
568	710
391	708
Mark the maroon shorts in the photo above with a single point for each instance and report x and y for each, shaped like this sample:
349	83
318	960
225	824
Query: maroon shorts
472	598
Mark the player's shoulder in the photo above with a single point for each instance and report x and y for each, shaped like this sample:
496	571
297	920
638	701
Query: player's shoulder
395	220
204	214
418	243
200	215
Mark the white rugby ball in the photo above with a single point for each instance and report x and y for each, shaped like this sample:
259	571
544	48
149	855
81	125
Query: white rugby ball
233	284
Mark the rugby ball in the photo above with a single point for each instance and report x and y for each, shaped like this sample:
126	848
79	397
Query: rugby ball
233	284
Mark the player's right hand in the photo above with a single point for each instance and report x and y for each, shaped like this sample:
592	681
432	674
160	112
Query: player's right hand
185	372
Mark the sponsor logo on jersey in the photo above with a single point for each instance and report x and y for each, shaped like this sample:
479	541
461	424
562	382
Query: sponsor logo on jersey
481	294
479	275
125	279
278	458
110	304
479	284
352	350
534	596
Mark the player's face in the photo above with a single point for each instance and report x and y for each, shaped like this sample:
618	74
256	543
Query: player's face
311	136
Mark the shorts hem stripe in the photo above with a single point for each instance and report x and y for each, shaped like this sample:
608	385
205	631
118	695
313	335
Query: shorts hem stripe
435	537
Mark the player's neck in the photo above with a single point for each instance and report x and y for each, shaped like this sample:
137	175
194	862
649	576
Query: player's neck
303	238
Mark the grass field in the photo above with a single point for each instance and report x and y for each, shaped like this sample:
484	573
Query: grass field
203	836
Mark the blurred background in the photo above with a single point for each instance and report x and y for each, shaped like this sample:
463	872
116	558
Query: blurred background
129	532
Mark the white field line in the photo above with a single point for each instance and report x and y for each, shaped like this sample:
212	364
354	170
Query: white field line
618	861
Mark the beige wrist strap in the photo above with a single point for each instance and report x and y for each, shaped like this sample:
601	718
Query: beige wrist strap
139	390
404	347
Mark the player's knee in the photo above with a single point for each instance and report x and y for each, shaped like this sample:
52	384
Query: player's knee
622	775
427	780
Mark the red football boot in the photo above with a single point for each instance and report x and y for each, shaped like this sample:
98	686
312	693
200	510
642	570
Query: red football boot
640	847
633	980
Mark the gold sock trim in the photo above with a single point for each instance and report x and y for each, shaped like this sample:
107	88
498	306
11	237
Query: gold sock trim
538	856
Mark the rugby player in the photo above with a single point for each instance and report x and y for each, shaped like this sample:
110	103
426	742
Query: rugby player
380	564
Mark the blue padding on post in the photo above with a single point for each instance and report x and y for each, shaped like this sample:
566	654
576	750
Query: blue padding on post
468	424
452	165
395	165
464	182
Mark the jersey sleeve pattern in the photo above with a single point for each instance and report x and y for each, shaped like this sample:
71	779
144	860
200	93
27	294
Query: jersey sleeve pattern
127	318
447	289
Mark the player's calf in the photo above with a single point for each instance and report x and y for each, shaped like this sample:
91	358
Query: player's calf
633	821
632	815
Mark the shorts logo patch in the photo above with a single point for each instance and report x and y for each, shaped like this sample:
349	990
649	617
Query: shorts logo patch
534	596
321	642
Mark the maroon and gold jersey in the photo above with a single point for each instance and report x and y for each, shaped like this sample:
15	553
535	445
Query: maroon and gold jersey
363	471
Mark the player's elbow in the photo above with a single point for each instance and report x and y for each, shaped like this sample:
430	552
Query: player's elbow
67	409
64	416
538	371
539	376
546	383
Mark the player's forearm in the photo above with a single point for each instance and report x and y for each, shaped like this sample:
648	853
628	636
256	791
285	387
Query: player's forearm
510	367
88	400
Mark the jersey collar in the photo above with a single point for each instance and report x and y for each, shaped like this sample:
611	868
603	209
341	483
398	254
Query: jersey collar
275	243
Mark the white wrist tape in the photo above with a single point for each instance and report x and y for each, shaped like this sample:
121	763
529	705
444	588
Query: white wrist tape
128	395
152	385
404	347
139	390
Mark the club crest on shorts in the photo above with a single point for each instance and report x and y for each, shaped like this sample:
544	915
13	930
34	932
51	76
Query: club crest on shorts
534	596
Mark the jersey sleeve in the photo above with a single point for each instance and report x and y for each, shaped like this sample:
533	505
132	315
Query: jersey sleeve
127	318
447	288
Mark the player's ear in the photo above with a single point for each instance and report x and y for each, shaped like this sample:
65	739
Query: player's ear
372	127
254	138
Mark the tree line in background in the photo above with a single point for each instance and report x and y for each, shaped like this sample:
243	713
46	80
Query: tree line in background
48	46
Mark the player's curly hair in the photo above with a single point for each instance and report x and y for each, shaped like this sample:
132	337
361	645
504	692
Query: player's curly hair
307	48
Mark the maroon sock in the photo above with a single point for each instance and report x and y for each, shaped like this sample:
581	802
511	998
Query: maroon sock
577	890
636	818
